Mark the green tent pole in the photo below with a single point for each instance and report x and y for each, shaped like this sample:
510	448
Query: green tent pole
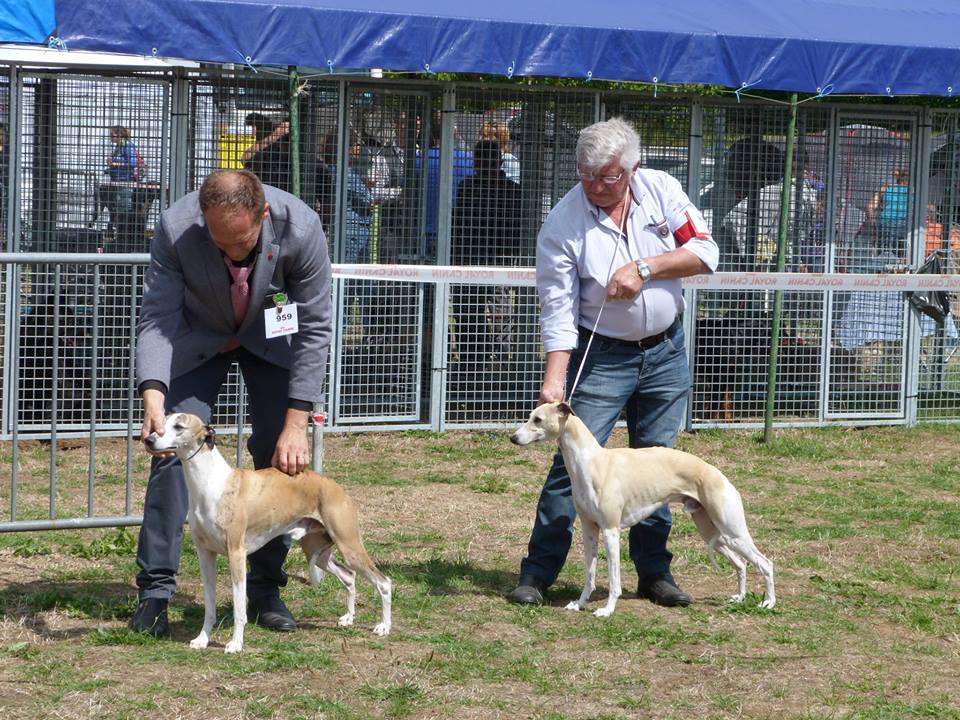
781	264
294	106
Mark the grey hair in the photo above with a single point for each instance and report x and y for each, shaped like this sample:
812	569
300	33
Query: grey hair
603	142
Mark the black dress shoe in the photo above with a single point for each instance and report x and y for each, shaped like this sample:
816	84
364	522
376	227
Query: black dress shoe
270	612
662	590
151	618
529	591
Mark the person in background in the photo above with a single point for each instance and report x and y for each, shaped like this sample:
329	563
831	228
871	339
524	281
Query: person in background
462	168
381	165
387	178
124	170
358	205
886	213
950	252
620	241
499	133
358	225
219	259
269	155
485	231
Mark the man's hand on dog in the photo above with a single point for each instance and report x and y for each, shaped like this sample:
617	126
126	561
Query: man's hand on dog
292	452
153	418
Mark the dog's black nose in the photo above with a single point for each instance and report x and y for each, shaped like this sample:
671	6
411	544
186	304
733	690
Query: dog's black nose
513	439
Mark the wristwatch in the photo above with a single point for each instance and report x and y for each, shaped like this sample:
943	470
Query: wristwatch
644	270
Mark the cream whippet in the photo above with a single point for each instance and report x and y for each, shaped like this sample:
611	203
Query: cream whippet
614	489
234	512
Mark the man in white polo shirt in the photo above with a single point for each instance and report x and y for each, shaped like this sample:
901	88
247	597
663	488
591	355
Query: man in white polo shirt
615	248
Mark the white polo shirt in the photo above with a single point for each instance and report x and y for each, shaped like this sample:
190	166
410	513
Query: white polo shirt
579	248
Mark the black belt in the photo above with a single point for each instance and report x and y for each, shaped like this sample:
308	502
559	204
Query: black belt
645	343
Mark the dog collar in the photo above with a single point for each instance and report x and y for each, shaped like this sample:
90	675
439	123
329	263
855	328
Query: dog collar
208	440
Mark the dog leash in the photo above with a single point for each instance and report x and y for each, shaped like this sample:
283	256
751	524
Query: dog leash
613	259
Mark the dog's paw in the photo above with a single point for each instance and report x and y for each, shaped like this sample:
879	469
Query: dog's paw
234	646
200	641
573	605
767	604
345	620
603	612
735	599
381	629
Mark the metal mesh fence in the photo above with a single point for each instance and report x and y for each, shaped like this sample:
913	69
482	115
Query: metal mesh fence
516	157
939	364
90	158
90	161
425	173
875	226
383	211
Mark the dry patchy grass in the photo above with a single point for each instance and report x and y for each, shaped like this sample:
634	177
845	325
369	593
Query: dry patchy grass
863	526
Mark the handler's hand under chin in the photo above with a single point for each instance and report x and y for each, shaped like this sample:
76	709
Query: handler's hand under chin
625	283
154	419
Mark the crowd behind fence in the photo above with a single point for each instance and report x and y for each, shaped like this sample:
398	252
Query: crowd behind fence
438	173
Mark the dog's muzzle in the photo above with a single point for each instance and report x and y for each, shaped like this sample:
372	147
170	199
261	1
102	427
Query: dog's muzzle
523	437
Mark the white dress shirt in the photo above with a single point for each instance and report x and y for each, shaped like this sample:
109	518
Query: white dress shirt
579	247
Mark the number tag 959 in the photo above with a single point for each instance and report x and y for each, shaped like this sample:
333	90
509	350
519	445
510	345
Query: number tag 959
281	322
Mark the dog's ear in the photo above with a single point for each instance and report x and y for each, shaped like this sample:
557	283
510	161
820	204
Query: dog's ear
565	409
209	438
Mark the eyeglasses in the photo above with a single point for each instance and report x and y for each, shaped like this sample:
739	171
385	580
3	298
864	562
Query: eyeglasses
605	179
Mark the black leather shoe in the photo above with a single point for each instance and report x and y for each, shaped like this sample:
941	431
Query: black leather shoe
529	591
270	612
662	590
151	618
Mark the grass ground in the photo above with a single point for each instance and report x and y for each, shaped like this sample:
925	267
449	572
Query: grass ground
863	526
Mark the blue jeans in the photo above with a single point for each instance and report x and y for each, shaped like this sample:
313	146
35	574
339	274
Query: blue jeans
652	386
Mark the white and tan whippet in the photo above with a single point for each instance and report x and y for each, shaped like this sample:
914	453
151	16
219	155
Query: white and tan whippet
234	512
617	488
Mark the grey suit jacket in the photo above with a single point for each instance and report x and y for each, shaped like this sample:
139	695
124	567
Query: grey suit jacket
186	316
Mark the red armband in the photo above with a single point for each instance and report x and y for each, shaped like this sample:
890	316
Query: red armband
689	230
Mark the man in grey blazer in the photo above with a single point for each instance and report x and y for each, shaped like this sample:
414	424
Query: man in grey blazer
219	258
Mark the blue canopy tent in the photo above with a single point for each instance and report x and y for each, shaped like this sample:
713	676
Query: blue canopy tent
26	22
878	47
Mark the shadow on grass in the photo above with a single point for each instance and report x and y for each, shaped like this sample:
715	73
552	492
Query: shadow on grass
94	603
28	602
445	577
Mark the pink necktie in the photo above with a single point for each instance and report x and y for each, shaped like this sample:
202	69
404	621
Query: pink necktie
239	289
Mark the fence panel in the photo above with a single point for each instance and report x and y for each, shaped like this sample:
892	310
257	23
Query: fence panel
402	174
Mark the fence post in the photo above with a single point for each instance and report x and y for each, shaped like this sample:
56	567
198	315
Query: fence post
781	263
293	101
